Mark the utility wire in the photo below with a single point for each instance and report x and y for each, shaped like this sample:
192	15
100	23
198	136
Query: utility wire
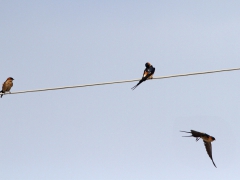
124	81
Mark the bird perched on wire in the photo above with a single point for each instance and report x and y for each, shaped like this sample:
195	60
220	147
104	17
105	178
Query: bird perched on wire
207	139
147	74
7	85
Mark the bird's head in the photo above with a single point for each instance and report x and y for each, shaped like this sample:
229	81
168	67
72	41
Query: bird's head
147	65
10	78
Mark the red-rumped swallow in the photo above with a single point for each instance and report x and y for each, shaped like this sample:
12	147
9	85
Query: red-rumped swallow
147	74
7	85
207	139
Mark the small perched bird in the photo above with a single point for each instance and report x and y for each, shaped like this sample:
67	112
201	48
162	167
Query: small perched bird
207	139
147	74
7	85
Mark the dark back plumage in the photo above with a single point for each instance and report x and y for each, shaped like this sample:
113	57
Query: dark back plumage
207	139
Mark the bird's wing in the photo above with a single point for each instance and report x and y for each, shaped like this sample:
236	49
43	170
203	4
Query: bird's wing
4	86
151	71
208	147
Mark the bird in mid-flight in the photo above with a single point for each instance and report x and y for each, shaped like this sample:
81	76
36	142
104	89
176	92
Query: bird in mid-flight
147	74
7	85
207	139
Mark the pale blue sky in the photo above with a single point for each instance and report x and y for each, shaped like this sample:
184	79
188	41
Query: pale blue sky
111	132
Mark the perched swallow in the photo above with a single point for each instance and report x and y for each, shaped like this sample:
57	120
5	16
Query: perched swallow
147	74
207	139
7	85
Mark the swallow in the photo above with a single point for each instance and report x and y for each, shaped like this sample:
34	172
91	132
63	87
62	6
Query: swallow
7	85
207	139
147	74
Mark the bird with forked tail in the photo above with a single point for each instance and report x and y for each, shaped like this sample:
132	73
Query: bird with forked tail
147	74
207	139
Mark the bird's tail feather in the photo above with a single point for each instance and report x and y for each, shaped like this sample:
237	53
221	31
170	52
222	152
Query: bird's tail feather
134	87
143	79
185	131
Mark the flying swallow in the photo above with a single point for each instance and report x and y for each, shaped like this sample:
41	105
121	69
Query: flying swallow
207	139
147	74
7	85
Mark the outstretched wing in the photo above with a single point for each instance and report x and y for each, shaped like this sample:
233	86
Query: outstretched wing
208	147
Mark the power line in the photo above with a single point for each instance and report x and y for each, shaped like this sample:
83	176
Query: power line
124	81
